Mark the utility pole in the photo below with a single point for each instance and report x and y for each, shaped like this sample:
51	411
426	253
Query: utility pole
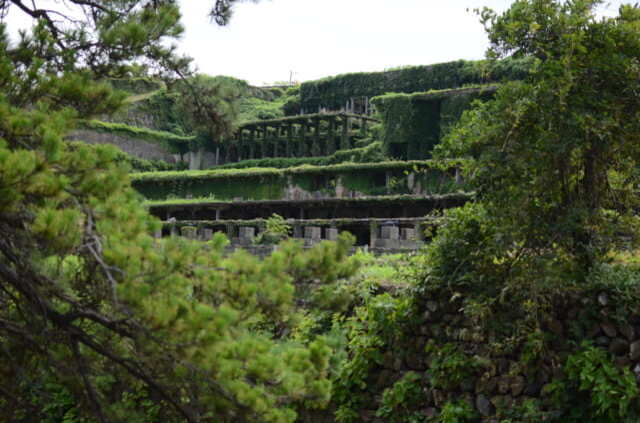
291	73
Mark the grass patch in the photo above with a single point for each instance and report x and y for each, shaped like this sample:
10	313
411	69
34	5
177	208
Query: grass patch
172	141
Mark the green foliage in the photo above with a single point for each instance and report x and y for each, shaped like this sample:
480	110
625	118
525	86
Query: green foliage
399	400
268	183
172	142
129	327
136	85
334	92
373	326
553	157
610	392
413	124
142	165
253	109
448	366
277	229
209	106
371	153
464	255
458	412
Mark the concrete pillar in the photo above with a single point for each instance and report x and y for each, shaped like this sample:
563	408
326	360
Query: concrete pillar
289	146
331	137
312	235
408	234
459	178
189	232
389	237
158	233
390	232
246	234
297	231
230	231
252	144
345	142
373	235
207	234
313	232
317	149
302	152
411	182
419	231
331	234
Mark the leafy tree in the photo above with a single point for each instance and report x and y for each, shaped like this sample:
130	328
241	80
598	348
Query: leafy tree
556	154
98	320
209	106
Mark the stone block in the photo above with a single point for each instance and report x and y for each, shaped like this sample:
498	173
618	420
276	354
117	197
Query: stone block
628	332
619	347
158	234
390	232
634	353
331	234
609	329
484	406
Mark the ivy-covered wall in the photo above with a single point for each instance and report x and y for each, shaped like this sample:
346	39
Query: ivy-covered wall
412	124
333	92
136	86
337	181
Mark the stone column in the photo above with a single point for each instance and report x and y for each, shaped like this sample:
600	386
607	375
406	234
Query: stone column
419	231
331	234
302	148
390	232
312	235
246	234
252	143
207	234
289	146
317	149
331	136
389	236
373	234
408	234
240	146
297	231
189	232
345	142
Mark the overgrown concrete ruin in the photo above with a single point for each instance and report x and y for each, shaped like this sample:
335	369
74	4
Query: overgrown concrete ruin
302	168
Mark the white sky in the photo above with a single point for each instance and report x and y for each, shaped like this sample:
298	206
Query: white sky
317	38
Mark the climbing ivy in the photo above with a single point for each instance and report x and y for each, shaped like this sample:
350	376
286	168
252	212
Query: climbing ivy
334	92
412	124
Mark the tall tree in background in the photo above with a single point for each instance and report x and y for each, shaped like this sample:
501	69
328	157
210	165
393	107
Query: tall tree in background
210	105
98	321
556	154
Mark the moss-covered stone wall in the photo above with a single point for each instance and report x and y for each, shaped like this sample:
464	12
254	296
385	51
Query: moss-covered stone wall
584	349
